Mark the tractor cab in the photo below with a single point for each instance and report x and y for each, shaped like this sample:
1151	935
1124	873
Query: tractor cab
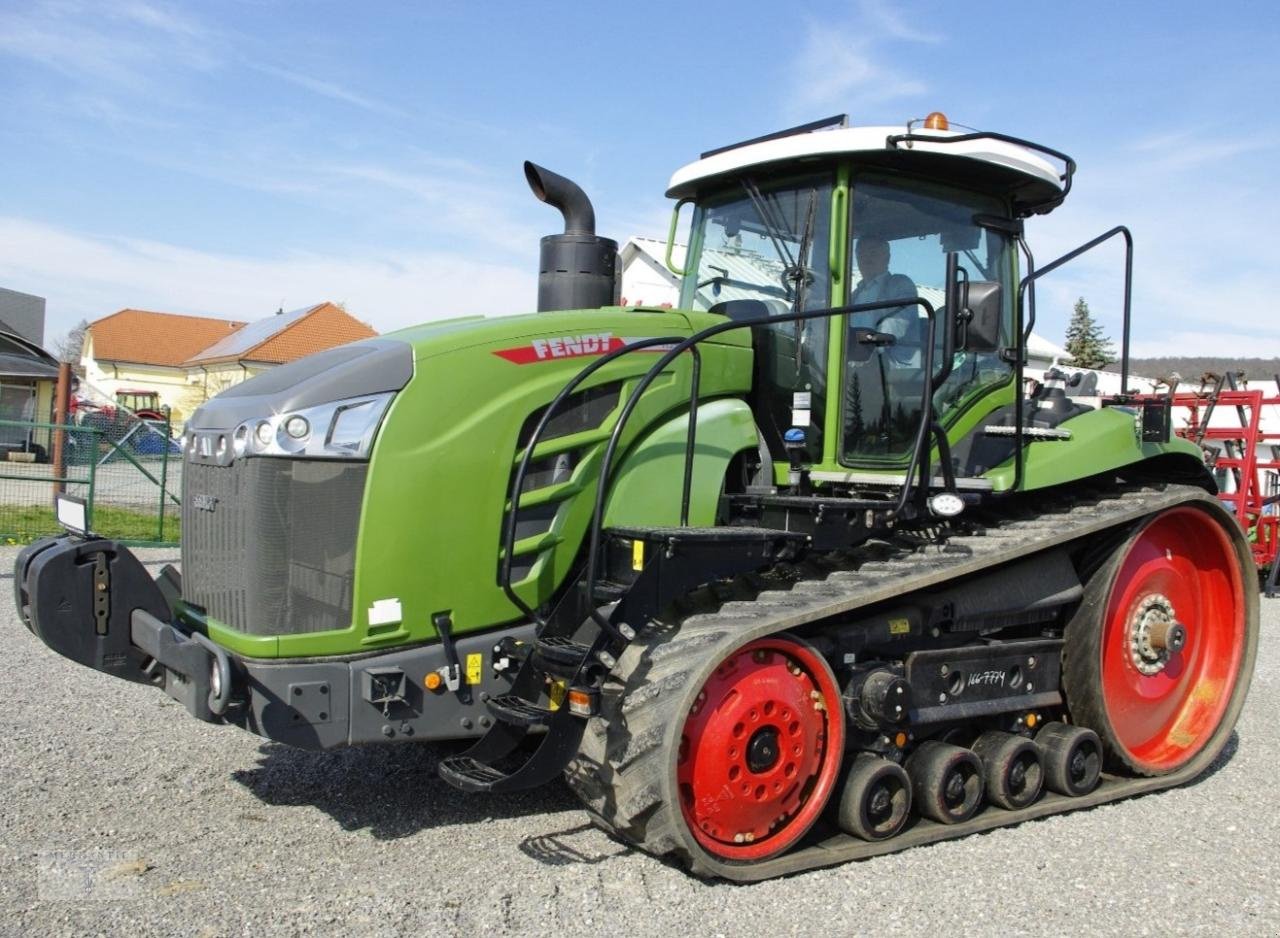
828	216
142	402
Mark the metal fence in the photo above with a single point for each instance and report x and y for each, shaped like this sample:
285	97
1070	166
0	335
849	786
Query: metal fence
127	469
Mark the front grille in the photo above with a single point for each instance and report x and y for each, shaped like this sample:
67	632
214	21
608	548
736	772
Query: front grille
268	545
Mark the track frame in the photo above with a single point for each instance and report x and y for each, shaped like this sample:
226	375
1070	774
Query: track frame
809	602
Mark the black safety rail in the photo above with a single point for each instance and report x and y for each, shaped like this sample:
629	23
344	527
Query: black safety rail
522	471
893	141
918	463
1025	327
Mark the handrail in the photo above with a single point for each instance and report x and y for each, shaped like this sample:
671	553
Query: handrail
1029	281
1128	286
1031	296
919	459
517	485
606	463
1068	164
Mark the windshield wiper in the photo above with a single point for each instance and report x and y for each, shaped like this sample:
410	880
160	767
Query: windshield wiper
772	228
799	273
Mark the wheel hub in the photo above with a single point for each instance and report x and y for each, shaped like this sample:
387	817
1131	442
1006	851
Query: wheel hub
880	804
954	792
1154	634
762	751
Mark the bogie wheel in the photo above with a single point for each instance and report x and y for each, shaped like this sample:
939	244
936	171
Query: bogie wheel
875	802
1072	758
1158	657
711	749
946	782
1011	769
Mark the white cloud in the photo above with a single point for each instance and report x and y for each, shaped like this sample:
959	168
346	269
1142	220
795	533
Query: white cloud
96	45
329	89
1204	260
88	276
845	68
1191	148
889	21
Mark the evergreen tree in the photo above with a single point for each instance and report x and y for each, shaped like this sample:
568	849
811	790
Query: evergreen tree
1086	344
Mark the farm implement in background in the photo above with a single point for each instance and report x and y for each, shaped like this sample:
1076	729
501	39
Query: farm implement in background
1238	427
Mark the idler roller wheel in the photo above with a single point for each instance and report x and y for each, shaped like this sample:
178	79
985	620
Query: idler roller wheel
1011	769
946	782
876	799
1072	758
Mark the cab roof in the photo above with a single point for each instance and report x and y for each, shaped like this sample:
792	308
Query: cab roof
1023	171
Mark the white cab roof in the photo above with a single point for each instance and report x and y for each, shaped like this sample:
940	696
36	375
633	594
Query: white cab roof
846	140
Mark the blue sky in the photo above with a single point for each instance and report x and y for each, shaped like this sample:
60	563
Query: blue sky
228	158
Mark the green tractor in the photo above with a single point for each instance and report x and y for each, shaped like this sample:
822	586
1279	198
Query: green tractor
794	573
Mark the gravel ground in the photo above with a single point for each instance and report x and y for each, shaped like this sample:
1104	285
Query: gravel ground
122	815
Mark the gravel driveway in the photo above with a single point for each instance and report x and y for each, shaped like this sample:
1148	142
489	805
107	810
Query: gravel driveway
122	815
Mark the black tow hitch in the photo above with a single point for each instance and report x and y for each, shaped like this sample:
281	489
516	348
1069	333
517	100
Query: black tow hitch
91	600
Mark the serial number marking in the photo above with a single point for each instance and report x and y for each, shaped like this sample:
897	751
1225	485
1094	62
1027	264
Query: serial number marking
987	677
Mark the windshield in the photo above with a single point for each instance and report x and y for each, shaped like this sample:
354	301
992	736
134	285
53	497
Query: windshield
766	241
903	231
759	250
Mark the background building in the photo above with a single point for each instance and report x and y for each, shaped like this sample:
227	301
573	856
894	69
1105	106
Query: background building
185	360
23	315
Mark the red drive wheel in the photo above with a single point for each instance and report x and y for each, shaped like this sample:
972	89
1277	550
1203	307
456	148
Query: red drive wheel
1163	639
760	749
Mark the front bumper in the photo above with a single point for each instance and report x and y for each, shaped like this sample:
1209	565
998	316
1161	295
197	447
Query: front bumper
92	601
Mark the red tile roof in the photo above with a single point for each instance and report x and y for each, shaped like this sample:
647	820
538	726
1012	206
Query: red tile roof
149	338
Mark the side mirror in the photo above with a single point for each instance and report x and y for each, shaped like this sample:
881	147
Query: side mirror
978	320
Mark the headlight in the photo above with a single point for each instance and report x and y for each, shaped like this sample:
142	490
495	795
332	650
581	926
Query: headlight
338	430
297	427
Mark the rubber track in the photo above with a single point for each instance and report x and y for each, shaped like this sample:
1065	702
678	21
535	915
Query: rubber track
623	773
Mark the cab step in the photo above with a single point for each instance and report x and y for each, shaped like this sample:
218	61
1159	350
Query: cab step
514	709
560	655
471	775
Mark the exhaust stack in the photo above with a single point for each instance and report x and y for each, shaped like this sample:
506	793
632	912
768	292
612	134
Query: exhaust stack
577	269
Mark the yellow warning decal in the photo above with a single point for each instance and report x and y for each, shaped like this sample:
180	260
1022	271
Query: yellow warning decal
899	626
556	692
637	555
475	667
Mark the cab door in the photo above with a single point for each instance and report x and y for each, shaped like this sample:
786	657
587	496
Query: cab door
902	233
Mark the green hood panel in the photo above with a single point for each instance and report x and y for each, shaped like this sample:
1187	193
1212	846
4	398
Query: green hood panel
443	462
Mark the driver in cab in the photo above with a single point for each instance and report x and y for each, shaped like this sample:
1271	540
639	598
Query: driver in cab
877	285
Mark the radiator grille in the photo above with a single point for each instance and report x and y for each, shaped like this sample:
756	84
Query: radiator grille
268	545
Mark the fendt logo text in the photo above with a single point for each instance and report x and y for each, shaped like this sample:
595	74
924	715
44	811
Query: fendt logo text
569	346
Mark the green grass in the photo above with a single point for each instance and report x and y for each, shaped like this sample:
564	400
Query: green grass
23	524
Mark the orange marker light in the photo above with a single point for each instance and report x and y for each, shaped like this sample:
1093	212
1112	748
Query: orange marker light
937	121
1032	720
900	740
433	680
581	702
